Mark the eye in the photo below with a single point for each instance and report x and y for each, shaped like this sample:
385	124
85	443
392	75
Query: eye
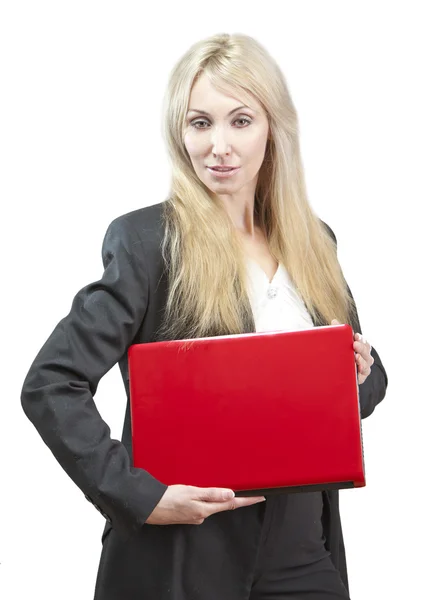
194	123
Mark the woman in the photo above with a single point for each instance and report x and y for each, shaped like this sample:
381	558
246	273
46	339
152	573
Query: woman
232	253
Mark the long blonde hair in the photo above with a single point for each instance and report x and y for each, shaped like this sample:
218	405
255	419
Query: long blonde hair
207	286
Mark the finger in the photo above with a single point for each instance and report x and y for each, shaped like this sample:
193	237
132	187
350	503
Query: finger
361	338
248	501
212	494
364	350
334	322
362	365
360	377
237	502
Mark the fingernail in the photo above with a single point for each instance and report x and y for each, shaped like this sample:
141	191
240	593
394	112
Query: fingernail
228	495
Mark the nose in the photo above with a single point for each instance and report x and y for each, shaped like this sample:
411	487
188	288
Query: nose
220	142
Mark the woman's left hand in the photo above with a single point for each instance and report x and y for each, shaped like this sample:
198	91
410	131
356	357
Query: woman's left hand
363	356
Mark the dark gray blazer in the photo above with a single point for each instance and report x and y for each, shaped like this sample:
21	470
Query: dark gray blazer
125	307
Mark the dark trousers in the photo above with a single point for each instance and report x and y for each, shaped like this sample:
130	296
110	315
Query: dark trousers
317	581
292	560
274	549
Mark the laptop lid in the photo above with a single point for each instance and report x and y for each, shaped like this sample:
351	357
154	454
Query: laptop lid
257	412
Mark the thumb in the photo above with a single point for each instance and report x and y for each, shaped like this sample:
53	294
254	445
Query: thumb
335	322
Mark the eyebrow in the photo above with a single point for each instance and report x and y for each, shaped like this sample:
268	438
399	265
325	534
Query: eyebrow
230	113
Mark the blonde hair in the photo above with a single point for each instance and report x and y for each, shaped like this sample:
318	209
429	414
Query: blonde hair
206	270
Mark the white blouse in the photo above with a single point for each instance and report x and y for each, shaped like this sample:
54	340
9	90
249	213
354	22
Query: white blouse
276	305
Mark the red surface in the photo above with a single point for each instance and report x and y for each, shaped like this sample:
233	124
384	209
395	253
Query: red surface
246	412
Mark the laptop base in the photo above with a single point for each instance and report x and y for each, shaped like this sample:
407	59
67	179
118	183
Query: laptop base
296	489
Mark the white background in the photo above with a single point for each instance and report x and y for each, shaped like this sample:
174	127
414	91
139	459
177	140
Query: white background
82	88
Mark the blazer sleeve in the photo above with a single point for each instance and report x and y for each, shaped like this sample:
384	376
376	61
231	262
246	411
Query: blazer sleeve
373	389
57	394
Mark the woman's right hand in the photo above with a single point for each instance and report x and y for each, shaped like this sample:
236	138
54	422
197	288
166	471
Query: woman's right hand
187	504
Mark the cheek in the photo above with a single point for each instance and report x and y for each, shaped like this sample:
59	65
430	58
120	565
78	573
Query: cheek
256	152
192	144
257	143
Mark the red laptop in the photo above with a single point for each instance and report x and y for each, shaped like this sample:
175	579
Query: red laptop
257	412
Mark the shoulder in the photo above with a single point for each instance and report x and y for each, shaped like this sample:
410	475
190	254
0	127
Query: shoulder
142	219
144	225
136	237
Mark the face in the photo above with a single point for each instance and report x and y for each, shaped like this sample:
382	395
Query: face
220	133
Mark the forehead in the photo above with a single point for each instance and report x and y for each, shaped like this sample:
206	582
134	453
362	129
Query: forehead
205	96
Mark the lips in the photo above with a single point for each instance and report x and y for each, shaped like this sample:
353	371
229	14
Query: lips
223	173
223	168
